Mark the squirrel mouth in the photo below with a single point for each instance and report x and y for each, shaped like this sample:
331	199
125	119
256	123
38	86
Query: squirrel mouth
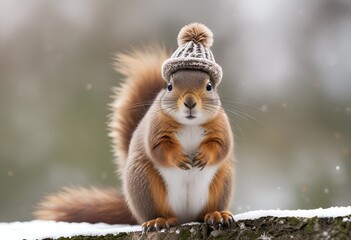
190	117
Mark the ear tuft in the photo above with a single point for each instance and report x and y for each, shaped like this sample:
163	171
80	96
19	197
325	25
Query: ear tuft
197	33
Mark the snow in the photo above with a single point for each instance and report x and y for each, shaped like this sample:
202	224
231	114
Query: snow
320	212
38	229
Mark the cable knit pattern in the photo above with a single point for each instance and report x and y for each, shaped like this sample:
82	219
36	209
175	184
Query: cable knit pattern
194	54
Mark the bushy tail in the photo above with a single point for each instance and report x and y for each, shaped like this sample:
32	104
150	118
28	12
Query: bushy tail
142	82
93	205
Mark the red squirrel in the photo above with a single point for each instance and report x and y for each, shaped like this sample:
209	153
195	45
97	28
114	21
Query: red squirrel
172	140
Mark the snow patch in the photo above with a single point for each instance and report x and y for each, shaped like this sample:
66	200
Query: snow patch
39	229
328	212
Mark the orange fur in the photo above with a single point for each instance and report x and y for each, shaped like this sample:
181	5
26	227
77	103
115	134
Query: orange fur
218	142
76	204
159	194
141	84
163	147
218	189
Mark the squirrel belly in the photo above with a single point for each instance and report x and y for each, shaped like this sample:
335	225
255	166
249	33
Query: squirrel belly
188	191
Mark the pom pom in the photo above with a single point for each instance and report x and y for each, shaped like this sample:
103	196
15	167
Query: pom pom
197	33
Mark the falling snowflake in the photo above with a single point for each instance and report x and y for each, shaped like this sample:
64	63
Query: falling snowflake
264	108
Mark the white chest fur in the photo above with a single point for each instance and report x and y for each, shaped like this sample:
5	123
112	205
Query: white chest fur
190	138
188	190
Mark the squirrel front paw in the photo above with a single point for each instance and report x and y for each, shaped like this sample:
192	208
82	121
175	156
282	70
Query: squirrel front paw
220	219
183	162
159	223
200	160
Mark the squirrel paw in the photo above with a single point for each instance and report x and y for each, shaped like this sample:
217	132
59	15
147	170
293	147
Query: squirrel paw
199	160
217	220
158	224
183	162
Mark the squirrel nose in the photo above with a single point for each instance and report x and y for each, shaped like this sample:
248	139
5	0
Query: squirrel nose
189	102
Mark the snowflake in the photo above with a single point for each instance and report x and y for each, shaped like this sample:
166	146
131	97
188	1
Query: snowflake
264	108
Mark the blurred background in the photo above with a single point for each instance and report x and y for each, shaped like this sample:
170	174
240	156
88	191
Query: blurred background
286	87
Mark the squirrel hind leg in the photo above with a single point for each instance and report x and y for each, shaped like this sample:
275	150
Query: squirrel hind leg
159	224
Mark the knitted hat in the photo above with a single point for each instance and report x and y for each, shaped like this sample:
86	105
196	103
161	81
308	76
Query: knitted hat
194	42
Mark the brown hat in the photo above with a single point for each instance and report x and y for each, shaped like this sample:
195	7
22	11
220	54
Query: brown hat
194	42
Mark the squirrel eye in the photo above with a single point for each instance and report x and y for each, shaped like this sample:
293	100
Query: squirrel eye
169	87
209	87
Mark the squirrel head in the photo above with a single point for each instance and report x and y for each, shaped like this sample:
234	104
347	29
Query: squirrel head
192	76
191	97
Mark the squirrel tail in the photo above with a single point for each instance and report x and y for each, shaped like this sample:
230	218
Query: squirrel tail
93	205
142	82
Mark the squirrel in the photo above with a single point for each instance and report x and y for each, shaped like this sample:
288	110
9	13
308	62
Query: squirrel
172	140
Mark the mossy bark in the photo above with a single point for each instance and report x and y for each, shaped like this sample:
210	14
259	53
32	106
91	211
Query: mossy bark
262	228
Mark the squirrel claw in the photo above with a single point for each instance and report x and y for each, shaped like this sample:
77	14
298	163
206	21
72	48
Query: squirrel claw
199	164
219	220
158	224
199	161
183	166
184	163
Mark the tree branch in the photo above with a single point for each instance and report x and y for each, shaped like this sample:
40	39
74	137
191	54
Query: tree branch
263	228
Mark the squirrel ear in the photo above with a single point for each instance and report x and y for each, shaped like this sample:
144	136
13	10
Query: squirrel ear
197	33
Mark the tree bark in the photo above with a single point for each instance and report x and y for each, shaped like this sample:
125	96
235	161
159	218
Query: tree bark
263	228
